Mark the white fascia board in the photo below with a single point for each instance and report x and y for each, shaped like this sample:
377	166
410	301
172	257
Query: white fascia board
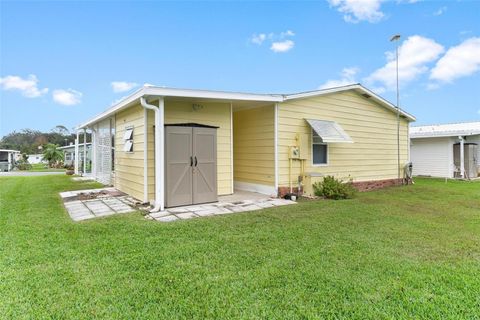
124	103
358	87
444	135
150	91
208	94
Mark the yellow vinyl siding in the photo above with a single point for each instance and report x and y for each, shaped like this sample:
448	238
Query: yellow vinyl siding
129	166
212	114
373	128
253	145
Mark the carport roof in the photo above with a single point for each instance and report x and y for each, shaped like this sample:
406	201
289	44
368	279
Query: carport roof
153	91
446	130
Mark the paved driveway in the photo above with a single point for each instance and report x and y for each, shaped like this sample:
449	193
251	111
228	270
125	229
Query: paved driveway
29	173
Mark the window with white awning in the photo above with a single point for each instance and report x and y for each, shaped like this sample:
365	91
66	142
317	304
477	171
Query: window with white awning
329	131
323	133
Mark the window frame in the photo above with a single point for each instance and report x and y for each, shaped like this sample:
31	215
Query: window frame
125	141
327	158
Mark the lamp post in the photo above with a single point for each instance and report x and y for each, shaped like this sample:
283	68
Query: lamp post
395	38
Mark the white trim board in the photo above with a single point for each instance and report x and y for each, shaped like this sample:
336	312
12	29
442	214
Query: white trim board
254	187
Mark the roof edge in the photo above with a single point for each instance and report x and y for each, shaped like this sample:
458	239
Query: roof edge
356	86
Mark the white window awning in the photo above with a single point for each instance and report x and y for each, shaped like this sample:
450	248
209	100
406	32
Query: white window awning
329	131
128	134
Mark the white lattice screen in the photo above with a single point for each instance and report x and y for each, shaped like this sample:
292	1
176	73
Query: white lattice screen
103	152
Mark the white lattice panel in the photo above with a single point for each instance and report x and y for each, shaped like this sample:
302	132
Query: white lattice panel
103	152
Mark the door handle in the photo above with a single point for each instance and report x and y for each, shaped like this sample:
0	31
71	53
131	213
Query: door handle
191	161
196	161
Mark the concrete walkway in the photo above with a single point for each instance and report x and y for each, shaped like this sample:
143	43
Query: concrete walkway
219	208
94	203
103	202
30	173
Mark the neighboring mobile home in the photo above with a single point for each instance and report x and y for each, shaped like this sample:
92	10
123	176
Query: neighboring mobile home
446	150
177	147
69	153
8	159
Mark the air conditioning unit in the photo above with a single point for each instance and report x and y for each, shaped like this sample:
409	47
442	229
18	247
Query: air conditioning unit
309	180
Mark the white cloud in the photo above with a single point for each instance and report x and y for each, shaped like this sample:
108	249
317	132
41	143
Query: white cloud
258	38
359	10
122	86
282	46
67	97
28	87
279	41
288	33
347	76
459	61
414	55
440	11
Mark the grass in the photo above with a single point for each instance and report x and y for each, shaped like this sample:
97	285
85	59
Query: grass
403	253
41	167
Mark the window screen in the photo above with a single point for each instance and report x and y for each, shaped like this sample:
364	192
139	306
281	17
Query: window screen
128	140
319	150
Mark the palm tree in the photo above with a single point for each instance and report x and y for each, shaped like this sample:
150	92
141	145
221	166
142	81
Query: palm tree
52	154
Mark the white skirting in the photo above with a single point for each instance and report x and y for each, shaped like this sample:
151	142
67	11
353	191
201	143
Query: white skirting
254	187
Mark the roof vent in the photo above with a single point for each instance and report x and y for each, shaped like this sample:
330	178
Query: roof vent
366	95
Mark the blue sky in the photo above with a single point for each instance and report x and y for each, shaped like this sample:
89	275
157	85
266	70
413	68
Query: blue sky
64	62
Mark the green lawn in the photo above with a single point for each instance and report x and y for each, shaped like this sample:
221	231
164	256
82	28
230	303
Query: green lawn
41	167
407	252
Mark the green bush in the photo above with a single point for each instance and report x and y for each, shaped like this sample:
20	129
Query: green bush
332	188
23	165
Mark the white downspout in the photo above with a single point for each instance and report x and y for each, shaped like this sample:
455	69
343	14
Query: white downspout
76	152
159	152
145	155
462	157
275	139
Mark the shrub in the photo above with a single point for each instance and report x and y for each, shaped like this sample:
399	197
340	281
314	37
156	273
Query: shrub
332	188
23	165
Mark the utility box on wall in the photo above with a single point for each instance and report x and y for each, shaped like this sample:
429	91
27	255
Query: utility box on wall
303	145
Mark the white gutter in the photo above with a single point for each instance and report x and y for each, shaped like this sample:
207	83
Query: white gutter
145	154
275	139
159	146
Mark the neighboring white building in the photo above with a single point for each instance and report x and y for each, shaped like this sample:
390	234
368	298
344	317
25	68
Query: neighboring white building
8	159
35	158
438	150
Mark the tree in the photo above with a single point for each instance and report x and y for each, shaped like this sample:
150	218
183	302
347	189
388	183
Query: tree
52	154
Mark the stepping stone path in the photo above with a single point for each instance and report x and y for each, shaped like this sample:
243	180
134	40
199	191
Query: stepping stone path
219	208
93	203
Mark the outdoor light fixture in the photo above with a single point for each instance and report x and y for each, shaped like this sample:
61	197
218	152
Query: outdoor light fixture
395	38
196	107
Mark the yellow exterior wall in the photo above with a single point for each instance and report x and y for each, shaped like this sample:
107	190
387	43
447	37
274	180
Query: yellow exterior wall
129	166
373	128
212	114
253	145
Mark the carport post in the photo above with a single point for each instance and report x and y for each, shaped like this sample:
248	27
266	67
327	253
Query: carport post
76	155
462	158
161	152
84	150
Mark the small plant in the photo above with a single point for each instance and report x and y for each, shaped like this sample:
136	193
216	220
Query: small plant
332	188
23	165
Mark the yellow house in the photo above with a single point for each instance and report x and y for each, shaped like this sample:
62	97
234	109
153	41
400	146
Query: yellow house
173	147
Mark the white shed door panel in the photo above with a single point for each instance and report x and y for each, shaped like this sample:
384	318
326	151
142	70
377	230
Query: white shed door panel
432	157
103	152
